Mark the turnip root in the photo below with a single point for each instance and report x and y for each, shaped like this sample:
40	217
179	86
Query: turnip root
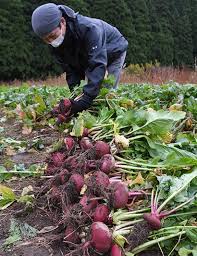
69	143
57	159
116	250
88	203
101	237
101	149
71	235
85	132
118	197
72	189
101	213
85	143
153	221
55	196
97	184
107	163
78	181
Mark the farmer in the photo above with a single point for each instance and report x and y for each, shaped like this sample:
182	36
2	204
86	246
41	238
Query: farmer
85	47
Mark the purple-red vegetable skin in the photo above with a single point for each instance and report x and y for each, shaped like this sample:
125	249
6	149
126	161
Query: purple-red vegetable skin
153	221
119	195
69	143
85	143
71	235
101	148
116	250
101	213
85	132
100	178
58	159
78	180
101	237
88	203
107	163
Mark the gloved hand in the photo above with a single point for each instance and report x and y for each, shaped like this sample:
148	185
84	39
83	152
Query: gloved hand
68	108
81	103
62	111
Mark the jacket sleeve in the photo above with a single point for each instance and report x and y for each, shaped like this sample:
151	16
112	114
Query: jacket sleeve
95	42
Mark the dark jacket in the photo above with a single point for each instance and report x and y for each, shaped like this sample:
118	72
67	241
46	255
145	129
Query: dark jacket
89	46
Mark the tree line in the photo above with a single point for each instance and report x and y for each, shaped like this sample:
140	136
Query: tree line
165	31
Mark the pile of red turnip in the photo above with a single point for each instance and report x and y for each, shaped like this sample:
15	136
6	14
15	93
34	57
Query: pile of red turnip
80	188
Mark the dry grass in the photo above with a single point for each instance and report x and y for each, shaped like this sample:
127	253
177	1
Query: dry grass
159	75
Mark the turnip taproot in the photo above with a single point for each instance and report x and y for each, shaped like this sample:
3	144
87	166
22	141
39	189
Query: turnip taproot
85	143
101	237
116	250
88	203
57	159
118	197
69	143
101	213
153	220
101	149
78	181
71	235
107	163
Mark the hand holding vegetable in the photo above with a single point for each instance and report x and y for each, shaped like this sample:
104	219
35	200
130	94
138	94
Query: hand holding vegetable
69	107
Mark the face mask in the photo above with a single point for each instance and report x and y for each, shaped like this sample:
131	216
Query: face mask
58	41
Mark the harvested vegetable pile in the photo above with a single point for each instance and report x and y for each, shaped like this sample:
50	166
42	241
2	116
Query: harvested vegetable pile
122	181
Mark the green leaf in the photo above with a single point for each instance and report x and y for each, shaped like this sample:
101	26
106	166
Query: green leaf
162	150
7	193
160	122
192	235
170	184
174	159
41	104
78	127
19	231
5	203
187	252
89	120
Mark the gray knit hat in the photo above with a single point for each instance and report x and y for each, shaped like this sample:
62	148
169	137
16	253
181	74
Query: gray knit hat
45	19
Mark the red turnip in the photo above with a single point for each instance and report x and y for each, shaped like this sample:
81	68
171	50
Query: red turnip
57	159
101	213
60	178
85	132
88	203
99	178
119	195
116	250
101	149
85	143
69	143
107	163
71	235
153	220
78	181
101	237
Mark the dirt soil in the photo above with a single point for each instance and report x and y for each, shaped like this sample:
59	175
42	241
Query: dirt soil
44	244
48	240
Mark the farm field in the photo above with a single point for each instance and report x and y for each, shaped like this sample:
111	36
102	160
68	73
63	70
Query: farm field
118	179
